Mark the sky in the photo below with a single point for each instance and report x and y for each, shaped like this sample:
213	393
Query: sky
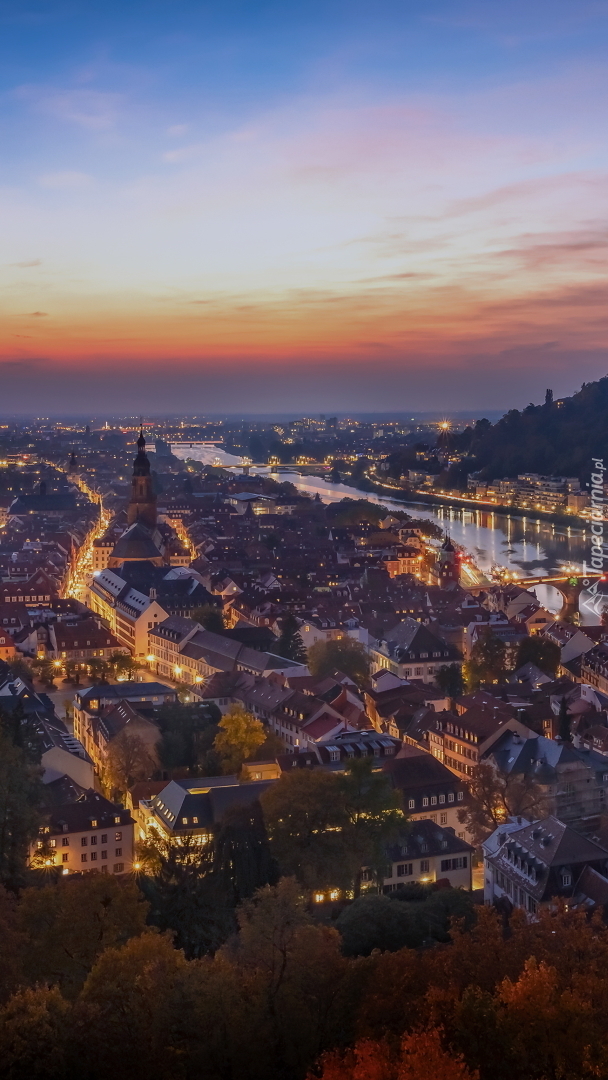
308	206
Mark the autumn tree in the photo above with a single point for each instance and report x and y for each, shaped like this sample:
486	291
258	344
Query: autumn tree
495	796
341	654
487	662
130	1008
240	734
67	925
421	1056
35	1035
128	760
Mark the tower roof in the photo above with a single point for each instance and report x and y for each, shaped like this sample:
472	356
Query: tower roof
136	543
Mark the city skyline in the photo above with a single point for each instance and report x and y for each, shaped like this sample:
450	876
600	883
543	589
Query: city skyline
260	209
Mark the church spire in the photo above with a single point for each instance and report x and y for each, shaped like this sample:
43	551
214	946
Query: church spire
142	506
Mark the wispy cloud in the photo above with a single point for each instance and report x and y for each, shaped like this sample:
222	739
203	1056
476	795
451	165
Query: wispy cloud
64	180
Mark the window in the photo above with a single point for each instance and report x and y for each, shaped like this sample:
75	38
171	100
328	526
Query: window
93	823
451	797
443	819
83	841
184	821
117	852
566	880
83	858
65	842
118	836
425	801
117	819
418	671
118	867
460	796
411	804
104	838
104	854
460	863
442	798
433	800
195	821
404	869
424	866
65	857
93	856
93	841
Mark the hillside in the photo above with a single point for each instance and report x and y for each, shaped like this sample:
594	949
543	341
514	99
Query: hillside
558	438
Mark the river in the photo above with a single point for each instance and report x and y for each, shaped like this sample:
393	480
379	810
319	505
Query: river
527	546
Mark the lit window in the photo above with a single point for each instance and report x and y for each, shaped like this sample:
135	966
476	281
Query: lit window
319	898
117	836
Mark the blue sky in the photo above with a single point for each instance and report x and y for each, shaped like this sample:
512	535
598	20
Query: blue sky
228	193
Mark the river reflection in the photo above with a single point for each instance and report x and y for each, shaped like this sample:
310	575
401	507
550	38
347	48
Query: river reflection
528	546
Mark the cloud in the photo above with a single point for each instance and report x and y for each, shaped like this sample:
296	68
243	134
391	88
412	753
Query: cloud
177	129
62	180
35	314
93	110
26	265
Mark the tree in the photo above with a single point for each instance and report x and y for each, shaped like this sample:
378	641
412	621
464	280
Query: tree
210	617
305	815
45	670
187	736
121	663
239	736
487	662
68	925
98	669
495	796
538	650
128	761
373	815
342	654
564	721
20	669
20	798
242	858
186	895
290	644
129	1011
402	920
35	1034
421	1057
23	729
449	679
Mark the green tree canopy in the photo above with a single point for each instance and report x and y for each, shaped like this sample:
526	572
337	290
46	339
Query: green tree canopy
343	654
210	617
538	650
290	644
487	662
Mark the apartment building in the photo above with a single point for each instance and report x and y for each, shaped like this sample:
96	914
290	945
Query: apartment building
91	835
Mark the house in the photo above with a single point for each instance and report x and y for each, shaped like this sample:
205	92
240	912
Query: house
429	853
411	650
460	740
195	807
535	865
428	789
94	700
7	646
97	731
130	614
91	835
573	782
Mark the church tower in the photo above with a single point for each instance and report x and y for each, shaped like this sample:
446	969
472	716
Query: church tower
142	507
